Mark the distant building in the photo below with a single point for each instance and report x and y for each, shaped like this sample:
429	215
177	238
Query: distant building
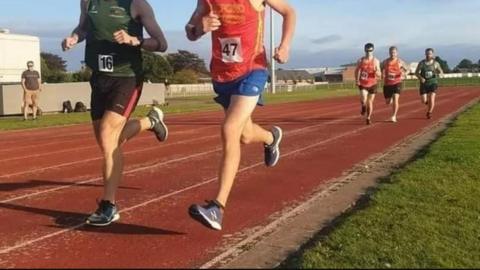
333	74
294	76
15	52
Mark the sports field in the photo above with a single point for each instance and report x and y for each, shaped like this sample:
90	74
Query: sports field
45	196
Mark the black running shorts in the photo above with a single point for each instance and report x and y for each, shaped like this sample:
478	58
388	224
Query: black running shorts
115	94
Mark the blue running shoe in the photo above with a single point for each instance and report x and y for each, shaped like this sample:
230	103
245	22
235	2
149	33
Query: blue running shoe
272	152
159	127
209	215
106	213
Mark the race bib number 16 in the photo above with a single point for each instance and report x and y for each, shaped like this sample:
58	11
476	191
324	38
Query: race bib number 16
231	50
105	63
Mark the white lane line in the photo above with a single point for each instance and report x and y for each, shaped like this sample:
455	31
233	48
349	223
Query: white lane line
300	150
331	186
292	132
33	241
56	166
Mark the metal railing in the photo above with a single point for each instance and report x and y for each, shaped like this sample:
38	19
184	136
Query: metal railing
193	90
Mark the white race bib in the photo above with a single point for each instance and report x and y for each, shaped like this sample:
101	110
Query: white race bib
429	74
231	50
105	63
392	76
364	75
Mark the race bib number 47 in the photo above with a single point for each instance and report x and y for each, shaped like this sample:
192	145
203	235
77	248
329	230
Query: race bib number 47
105	63
231	50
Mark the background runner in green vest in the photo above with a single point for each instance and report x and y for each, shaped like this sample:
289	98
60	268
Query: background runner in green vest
113	30
428	72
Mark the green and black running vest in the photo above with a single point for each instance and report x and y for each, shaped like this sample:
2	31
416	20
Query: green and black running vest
102	53
429	72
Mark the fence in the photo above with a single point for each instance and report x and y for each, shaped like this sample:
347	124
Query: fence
53	95
187	90
192	90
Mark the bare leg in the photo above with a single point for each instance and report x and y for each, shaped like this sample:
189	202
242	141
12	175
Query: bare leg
396	105
363	100
425	99
133	128
34	105
237	117
26	105
431	102
108	132
370	100
253	133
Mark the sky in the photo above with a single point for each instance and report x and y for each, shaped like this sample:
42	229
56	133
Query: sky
329	32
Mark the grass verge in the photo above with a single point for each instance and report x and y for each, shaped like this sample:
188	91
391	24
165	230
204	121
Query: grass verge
426	215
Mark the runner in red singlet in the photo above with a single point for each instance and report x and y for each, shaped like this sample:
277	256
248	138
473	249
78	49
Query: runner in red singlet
366	74
239	73
393	71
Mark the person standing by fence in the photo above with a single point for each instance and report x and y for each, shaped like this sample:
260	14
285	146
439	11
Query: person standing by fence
31	82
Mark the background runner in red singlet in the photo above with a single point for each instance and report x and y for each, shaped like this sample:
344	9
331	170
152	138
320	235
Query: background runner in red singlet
366	74
393	72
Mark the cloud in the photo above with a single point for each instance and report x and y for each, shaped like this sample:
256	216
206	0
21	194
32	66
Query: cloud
326	39
453	54
303	53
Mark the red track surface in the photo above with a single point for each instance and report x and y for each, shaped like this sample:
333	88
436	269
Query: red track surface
50	178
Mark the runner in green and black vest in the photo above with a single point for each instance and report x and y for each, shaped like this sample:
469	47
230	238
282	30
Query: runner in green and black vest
113	30
428	72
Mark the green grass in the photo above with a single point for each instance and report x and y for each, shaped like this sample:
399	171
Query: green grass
425	216
175	106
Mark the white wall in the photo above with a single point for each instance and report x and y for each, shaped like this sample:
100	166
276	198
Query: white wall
179	90
451	76
15	52
53	95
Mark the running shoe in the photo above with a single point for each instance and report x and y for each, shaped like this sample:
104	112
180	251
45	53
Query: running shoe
272	152
210	215
106	213
158	127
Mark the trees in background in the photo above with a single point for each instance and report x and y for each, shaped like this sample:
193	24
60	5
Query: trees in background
467	65
443	64
156	67
54	68
182	67
185	60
